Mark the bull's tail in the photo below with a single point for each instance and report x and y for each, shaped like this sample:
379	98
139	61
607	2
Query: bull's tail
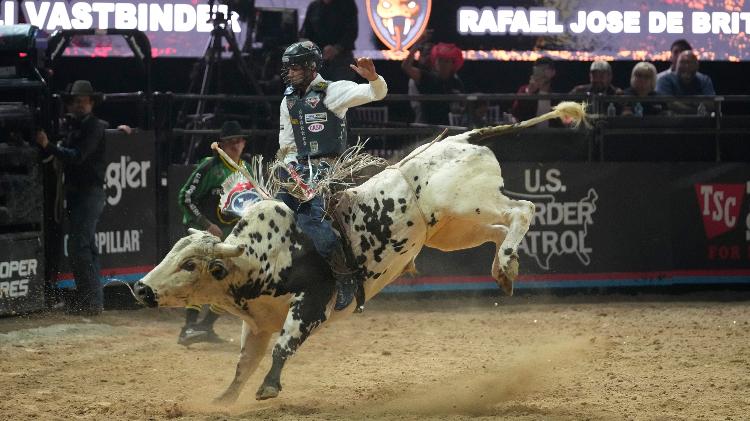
567	111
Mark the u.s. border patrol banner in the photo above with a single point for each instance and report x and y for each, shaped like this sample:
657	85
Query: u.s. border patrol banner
614	225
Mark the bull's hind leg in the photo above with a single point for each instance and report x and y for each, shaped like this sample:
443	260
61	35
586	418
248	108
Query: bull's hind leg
254	346
517	216
307	311
502	221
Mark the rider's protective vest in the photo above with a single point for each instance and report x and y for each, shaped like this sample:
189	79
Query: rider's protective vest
317	130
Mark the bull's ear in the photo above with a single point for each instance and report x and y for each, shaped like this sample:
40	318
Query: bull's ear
217	269
194	231
228	250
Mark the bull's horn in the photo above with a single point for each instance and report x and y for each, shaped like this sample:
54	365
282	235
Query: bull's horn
194	231
228	250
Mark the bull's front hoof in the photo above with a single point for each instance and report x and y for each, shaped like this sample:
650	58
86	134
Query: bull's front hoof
266	392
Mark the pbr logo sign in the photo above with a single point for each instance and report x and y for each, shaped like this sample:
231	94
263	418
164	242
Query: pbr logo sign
398	23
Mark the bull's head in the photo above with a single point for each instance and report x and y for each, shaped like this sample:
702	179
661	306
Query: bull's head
194	271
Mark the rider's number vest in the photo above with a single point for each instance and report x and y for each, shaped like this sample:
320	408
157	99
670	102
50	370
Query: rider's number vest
317	130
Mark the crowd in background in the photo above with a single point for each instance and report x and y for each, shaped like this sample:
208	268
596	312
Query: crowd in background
433	68
682	78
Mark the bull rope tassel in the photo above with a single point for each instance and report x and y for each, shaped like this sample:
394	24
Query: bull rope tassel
566	111
259	187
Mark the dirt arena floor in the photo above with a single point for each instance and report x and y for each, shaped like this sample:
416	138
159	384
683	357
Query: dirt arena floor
525	358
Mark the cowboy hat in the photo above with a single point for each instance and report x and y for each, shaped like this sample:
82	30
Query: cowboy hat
82	88
231	129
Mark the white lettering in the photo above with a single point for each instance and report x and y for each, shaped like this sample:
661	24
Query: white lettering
184	18
36	17
126	16
125	174
160	19
674	22
9	13
14	289
116	242
58	17
81	12
103	9
18	268
468	20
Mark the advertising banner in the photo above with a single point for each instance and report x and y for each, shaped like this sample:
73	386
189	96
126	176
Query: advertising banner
127	232
484	29
614	224
21	273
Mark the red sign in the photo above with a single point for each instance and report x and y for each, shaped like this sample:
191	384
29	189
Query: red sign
720	206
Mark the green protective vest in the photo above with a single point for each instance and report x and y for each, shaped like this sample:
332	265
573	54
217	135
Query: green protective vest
317	130
199	196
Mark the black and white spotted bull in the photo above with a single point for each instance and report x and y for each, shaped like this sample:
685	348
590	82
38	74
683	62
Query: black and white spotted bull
446	195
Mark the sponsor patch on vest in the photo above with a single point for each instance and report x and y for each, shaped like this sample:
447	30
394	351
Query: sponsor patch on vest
314	147
315	127
312	101
316	118
290	102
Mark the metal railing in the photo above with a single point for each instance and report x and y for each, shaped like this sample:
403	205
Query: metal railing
158	111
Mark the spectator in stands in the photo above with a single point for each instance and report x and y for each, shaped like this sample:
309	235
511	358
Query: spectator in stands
333	25
441	78
419	57
81	153
686	80
676	49
540	82
199	201
642	84
600	81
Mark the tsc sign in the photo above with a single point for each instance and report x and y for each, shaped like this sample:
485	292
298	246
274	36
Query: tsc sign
720	206
726	220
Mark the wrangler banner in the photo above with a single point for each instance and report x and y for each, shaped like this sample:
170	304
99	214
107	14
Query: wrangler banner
127	233
611	225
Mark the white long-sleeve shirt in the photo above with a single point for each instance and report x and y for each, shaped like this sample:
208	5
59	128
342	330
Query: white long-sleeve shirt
340	96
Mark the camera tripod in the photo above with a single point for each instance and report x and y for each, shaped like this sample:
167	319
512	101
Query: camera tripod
205	78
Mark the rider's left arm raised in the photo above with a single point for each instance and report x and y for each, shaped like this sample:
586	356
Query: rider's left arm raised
344	94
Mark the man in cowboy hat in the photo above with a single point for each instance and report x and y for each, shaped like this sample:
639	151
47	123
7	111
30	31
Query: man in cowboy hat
81	153
199	201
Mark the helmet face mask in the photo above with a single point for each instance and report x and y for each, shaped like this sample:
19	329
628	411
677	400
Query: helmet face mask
304	59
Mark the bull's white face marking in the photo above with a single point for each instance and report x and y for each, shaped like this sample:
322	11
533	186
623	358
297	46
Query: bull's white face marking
191	272
173	279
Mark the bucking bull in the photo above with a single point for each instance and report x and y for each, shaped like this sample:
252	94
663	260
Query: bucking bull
446	194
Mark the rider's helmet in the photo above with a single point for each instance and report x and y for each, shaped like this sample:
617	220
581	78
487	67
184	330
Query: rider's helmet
304	55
